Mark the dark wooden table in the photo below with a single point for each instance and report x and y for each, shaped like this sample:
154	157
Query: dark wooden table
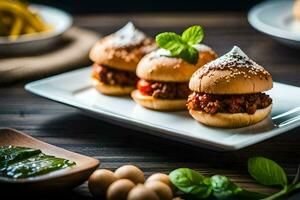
115	146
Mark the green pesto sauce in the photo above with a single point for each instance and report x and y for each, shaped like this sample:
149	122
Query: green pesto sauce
23	162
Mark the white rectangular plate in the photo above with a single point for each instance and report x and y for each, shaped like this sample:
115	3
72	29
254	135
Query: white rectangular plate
75	89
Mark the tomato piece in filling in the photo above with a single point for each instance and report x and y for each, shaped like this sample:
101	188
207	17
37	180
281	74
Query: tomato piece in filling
164	90
144	86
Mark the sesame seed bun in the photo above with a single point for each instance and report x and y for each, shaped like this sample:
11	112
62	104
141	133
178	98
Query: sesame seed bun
159	66
296	9
126	58
233	73
113	90
158	104
228	120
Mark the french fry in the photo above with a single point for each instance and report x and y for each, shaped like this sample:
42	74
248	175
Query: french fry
28	30
17	28
16	19
4	25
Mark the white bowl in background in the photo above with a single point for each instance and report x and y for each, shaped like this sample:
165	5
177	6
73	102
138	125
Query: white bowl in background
275	18
35	43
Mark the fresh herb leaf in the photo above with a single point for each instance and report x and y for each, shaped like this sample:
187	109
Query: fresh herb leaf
266	171
193	35
194	186
171	42
190	54
182	46
191	182
223	188
296	186
270	173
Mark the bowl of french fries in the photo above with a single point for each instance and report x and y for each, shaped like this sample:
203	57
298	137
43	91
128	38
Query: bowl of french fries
30	28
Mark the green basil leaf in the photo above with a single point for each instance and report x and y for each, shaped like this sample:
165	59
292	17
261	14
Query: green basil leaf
297	186
177	51
223	188
190	55
181	46
170	41
193	35
191	182
266	171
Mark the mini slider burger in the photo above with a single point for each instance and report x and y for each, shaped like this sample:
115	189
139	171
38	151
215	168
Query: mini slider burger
115	59
164	73
228	92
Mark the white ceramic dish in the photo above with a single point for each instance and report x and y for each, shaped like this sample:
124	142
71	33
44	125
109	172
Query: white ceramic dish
58	19
276	19
75	89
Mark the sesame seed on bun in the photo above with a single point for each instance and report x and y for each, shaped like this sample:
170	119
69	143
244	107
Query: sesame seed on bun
160	66
228	92
123	49
233	73
116	57
123	58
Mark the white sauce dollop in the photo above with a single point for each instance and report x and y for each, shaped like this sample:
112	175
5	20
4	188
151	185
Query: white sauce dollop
198	47
238	51
162	52
129	35
202	47
233	60
236	57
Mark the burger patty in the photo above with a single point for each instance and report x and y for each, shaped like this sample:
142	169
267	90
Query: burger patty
112	76
246	103
164	90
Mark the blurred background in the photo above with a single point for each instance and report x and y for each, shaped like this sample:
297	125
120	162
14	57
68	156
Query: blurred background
24	41
96	6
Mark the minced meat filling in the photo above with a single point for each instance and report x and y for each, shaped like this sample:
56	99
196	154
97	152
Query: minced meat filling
246	103
164	90
112	76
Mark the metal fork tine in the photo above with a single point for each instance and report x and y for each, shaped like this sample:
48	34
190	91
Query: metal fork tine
287	118
287	113
289	121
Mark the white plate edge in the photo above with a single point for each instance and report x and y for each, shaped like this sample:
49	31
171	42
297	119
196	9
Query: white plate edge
239	145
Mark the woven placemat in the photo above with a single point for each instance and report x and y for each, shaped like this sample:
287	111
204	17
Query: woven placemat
71	53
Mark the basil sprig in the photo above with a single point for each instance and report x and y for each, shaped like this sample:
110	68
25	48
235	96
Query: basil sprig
182	45
191	182
225	189
196	186
268	172
265	171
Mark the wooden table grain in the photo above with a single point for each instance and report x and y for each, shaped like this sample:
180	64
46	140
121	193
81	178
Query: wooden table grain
115	146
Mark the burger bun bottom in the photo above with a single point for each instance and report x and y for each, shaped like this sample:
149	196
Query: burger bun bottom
112	90
227	120
158	104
